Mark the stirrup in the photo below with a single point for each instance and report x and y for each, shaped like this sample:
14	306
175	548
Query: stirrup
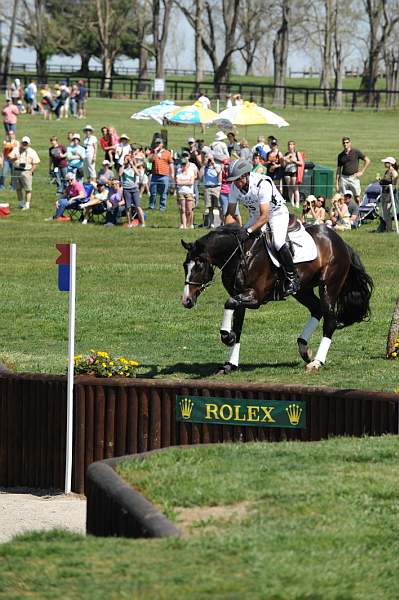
291	285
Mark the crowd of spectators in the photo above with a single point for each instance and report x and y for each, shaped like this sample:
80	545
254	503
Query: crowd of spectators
130	171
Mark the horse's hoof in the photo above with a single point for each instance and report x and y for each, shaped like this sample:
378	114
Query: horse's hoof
305	352
228	337
226	369
315	365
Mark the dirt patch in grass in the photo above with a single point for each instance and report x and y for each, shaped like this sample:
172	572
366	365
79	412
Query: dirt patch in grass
195	518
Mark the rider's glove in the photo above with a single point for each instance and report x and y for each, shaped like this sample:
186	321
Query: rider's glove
243	234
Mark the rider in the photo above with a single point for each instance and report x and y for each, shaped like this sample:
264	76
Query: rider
265	205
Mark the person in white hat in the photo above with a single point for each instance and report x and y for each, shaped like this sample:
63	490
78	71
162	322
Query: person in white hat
75	156
390	177
25	161
219	147
90	144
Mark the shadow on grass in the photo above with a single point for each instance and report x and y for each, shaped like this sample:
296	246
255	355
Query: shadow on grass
201	370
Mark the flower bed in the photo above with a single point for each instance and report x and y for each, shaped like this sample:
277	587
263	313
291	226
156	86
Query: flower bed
103	364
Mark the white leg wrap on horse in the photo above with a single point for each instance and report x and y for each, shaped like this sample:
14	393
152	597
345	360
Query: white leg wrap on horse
227	319
323	350
234	358
309	328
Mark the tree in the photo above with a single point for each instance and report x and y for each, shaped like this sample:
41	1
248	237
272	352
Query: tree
252	30
161	11
6	60
199	34
40	33
280	53
382	17
230	14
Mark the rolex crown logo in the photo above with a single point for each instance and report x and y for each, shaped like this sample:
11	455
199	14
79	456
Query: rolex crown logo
186	407
294	413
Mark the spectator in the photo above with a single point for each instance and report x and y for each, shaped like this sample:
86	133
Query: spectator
390	177
115	202
58	163
46	103
219	147
128	174
10	114
107	144
205	104
143	179
229	102
97	204
244	150
233	147
58	101
353	209
162	168
309	215
258	166
65	92
292	160
238	100
121	150
321	209
73	101
30	94
348	172
90	146
106	172
74	194
10	143
25	161
185	177
195	159
274	163
224	193
75	156
261	147
81	99
339	213
211	173
15	92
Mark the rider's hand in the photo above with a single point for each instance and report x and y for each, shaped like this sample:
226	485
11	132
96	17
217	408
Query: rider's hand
243	235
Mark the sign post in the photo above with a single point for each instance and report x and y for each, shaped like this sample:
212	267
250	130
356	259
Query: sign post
67	283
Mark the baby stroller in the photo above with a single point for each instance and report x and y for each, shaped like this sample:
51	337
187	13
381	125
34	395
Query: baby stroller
368	206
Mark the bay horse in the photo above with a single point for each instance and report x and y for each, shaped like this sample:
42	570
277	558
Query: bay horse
251	279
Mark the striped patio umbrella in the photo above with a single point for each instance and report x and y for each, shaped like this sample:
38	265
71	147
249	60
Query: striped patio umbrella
247	114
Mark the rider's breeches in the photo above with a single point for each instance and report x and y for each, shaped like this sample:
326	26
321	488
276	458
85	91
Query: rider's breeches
278	222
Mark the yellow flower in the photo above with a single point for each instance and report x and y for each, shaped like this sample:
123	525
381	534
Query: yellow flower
394	354
133	363
103	364
110	362
91	350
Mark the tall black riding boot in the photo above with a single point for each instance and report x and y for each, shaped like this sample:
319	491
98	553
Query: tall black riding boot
292	284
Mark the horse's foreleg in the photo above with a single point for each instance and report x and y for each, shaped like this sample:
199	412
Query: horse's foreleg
235	320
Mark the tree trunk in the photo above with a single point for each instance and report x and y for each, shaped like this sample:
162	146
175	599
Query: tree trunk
339	71
199	51
280	54
7	54
84	63
326	69
143	70
41	65
393	332
106	82
392	78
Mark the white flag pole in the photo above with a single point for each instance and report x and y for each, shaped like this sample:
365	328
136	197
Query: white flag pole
393	207
71	353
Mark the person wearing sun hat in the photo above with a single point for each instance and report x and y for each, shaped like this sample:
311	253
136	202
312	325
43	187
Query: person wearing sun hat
390	177
25	161
122	149
75	156
90	144
219	147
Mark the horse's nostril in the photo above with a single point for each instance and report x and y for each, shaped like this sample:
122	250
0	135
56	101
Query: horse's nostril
187	303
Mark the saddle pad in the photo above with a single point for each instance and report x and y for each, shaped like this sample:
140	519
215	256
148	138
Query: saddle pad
303	245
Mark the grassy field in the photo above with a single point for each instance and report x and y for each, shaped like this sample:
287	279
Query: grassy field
283	521
129	282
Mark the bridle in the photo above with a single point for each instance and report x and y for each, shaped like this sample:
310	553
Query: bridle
203	286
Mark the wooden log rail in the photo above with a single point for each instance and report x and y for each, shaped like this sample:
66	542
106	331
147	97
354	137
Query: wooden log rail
118	417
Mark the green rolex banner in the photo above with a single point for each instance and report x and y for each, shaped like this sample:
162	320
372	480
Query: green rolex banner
241	411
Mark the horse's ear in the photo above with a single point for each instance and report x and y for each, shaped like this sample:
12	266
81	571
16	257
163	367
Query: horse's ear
186	245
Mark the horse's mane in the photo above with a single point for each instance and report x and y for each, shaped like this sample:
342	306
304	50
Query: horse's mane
224	231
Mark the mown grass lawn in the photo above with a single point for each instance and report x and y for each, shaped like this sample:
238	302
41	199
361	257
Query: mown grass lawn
321	522
129	282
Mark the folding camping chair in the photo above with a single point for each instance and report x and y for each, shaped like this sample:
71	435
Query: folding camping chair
368	206
75	212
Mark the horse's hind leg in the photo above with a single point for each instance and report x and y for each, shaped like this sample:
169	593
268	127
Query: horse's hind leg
309	299
230	333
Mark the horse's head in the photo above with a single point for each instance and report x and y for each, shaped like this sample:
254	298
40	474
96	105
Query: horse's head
198	272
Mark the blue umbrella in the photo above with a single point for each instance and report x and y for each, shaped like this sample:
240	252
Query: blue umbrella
192	115
157	112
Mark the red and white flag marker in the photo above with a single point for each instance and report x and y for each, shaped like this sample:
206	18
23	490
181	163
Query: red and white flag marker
67	283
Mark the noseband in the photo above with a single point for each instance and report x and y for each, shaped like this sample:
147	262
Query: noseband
203	286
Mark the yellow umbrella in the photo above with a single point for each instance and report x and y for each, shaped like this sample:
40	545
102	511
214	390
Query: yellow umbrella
249	113
192	115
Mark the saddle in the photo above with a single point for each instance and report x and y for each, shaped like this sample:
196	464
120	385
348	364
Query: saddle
293	223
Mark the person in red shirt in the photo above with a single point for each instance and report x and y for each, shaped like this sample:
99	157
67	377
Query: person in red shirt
74	195
162	169
10	113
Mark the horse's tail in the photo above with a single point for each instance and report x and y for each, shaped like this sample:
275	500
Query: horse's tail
353	302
